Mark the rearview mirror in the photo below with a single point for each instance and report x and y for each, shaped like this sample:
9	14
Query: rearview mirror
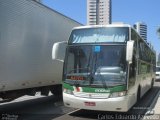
58	51
129	51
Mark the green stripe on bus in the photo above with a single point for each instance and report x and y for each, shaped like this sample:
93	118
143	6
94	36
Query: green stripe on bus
67	86
98	90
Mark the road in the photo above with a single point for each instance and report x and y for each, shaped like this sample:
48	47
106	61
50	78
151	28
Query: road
38	108
49	108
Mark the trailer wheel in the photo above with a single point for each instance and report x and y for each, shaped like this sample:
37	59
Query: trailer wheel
45	92
57	90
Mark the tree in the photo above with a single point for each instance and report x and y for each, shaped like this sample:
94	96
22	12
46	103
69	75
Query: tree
158	32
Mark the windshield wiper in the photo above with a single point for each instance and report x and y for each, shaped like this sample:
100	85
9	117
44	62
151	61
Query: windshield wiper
103	80
93	69
99	73
89	59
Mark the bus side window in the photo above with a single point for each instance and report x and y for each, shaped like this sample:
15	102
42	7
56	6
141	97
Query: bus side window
133	67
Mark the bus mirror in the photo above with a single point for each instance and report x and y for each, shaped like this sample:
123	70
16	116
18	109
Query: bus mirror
58	51
129	51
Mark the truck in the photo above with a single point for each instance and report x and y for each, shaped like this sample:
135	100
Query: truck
28	30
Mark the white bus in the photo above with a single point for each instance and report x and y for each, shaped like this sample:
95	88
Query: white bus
107	68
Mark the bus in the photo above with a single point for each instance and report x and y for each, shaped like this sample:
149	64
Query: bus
106	67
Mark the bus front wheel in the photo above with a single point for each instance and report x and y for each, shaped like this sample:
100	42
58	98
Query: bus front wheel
152	83
139	94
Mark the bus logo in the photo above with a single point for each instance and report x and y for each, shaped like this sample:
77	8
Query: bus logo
102	91
76	78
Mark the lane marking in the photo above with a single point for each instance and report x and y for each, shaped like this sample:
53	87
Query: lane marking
73	111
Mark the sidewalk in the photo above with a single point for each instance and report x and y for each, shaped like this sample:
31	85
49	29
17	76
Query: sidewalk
154	114
157	106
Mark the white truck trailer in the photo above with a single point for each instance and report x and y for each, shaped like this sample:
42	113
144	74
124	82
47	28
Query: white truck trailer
28	31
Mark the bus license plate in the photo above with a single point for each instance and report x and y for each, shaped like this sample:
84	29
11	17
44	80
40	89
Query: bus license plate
90	103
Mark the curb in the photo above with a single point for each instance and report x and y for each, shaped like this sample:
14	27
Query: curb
152	106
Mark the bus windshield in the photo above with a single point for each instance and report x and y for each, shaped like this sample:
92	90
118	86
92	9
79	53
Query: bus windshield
95	65
100	35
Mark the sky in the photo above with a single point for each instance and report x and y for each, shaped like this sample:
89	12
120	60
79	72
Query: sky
126	11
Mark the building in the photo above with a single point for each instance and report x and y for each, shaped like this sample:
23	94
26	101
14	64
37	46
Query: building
141	28
159	57
38	0
99	12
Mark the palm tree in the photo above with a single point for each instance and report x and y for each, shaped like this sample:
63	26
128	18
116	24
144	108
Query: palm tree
158	32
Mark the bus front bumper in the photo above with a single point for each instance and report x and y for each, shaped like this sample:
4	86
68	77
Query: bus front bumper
120	104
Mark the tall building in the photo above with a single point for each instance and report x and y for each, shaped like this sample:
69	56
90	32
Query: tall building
159	57
38	0
99	12
141	28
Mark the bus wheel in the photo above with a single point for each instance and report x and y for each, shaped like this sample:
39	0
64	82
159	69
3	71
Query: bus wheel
139	94
152	83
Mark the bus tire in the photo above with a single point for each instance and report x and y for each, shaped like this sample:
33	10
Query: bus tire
139	94
152	83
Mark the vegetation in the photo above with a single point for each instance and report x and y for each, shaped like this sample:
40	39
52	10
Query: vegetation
158	32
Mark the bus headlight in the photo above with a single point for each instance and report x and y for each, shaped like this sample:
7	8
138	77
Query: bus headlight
118	94
67	91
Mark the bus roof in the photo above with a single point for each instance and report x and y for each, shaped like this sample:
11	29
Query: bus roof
97	26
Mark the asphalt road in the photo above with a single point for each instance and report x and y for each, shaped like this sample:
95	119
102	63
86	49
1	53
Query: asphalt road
39	108
51	108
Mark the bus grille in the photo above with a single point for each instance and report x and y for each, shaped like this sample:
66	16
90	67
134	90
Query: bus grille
92	95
